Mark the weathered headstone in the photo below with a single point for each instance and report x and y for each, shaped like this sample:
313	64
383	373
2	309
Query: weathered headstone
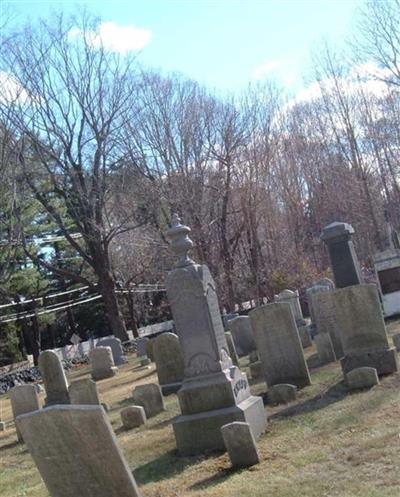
141	346
133	417
344	262
362	330
282	394
149	396
310	292
116	348
240	444
226	318
232	349
76	452
169	362
325	319
84	391
242	335
149	350
305	336
292	298
279	346
326	282
214	392
2	426
24	399
364	377
325	350
54	379
102	362
396	341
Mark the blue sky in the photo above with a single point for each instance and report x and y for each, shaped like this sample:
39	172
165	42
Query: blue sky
224	44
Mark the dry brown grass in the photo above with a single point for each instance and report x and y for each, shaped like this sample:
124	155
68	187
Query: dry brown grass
328	443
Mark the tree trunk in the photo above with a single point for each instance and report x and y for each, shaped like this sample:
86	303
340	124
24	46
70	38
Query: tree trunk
113	312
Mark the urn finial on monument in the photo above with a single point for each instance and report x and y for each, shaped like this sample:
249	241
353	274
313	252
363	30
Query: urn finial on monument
180	241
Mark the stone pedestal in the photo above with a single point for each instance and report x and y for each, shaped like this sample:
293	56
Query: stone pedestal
214	392
362	328
345	266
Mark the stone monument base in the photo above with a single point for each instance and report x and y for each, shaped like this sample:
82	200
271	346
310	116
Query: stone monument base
383	360
201	432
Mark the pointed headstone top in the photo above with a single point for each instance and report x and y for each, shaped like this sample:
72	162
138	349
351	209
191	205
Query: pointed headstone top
180	241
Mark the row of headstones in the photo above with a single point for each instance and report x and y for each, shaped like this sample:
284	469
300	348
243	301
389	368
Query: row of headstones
348	324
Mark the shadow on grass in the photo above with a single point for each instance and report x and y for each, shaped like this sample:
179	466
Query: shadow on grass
219	477
165	466
323	399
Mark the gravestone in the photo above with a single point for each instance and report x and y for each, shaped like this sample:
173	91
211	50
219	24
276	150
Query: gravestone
149	350
364	377
116	349
150	398
133	417
240	328
362	330
3	426
76	452
214	392
325	350
325	319
282	394
84	392
24	399
226	318
102	362
310	292
292	298
279	346
344	262
326	282
232	349
169	362
396	341
305	336
54	379
240	443
141	346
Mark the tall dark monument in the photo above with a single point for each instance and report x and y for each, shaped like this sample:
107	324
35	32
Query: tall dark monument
345	265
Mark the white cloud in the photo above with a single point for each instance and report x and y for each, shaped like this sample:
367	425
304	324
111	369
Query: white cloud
266	68
10	89
114	37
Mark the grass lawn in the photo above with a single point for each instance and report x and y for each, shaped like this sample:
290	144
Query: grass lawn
328	443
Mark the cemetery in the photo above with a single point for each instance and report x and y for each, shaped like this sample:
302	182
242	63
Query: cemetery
199	283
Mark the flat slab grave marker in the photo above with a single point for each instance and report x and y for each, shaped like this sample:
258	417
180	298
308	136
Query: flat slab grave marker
116	349
84	392
24	399
279	346
76	452
362	330
169	362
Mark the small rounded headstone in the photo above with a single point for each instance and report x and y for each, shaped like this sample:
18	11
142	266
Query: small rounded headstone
364	377
240	443
2	426
282	393
133	416
149	396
